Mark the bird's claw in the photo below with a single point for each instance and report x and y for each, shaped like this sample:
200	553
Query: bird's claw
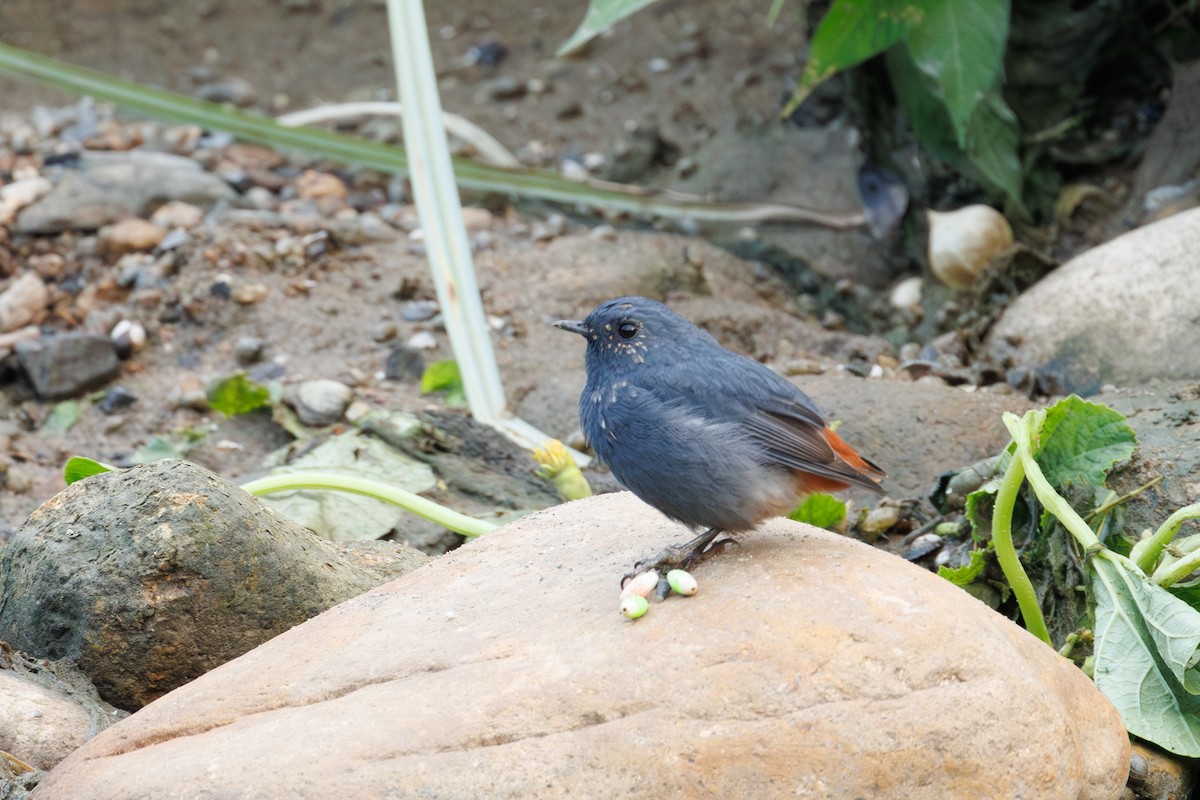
677	557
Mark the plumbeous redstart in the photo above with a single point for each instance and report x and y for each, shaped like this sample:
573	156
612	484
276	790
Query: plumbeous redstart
710	438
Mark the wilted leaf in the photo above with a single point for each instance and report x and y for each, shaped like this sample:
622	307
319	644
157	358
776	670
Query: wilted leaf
967	573
160	447
62	417
1146	654
345	517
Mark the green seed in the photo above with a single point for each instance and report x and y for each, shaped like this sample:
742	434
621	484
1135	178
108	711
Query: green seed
634	606
682	582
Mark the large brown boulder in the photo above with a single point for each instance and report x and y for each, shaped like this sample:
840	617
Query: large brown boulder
808	665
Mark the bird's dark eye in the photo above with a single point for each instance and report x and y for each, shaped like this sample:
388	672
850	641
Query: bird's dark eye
627	330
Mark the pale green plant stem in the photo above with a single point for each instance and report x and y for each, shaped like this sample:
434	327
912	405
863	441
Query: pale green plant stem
293	481
1023	432
1006	553
1147	551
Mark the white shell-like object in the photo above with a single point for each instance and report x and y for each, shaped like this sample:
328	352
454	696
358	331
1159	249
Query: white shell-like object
963	242
682	582
642	585
634	606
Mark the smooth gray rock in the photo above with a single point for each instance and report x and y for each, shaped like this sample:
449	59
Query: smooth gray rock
67	365
322	401
105	187
1122	313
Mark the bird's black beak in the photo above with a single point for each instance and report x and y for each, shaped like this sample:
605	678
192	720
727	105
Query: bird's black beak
574	326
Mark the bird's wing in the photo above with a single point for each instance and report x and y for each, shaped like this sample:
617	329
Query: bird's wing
784	420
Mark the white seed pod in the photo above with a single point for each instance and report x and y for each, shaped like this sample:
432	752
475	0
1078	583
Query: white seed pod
682	582
634	606
642	584
963	242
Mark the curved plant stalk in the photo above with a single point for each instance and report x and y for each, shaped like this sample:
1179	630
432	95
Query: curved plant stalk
1147	551
292	481
1023	431
613	198
1006	553
484	143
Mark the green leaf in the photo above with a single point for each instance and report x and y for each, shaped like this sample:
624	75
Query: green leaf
62	417
851	32
992	142
967	573
77	468
443	376
237	394
601	15
990	155
822	510
959	47
1081	442
1147	645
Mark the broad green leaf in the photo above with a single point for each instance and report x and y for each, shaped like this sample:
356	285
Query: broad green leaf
62	417
443	376
851	32
1146	653
959	47
822	510
992	141
77	468
237	394
990	156
967	573
1081	441
601	15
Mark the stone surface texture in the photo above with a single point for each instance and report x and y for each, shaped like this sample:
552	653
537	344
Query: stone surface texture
808	665
150	577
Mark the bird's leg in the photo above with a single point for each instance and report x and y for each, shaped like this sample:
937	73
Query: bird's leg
683	556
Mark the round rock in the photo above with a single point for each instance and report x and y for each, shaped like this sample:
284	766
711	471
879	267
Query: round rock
1120	313
808	665
322	402
151	576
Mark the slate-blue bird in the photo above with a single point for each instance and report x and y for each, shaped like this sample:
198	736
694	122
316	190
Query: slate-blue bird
710	438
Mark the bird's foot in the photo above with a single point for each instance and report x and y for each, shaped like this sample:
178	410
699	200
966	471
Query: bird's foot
680	556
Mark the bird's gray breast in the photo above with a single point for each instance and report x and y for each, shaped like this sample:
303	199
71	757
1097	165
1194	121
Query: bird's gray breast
699	469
